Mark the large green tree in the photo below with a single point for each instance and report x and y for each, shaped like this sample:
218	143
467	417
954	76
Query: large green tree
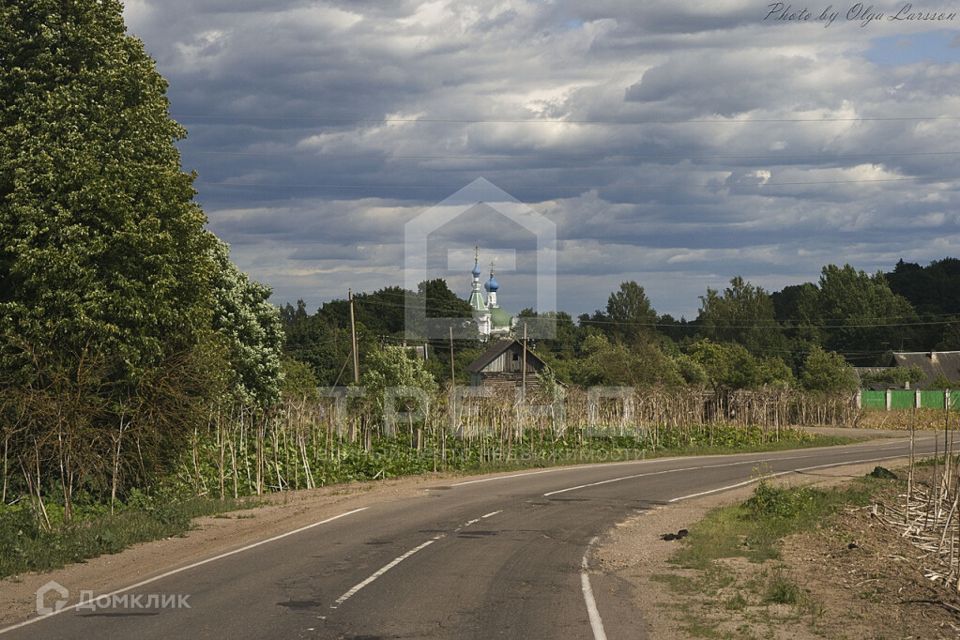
741	313
861	317
629	316
932	290
120	315
103	247
613	363
828	373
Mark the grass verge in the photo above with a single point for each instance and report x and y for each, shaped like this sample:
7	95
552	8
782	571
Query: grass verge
754	528
729	580
95	531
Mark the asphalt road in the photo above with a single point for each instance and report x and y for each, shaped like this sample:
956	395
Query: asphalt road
490	557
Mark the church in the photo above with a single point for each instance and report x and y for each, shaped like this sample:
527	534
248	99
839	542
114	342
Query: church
492	321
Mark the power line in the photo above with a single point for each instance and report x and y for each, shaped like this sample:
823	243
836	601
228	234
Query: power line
774	324
373	185
554	121
559	154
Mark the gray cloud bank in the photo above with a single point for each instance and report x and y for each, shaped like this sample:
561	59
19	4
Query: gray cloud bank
670	144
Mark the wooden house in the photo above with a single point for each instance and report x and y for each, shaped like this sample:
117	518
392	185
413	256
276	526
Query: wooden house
501	365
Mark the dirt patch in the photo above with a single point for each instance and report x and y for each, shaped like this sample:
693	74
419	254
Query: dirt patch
852	579
211	535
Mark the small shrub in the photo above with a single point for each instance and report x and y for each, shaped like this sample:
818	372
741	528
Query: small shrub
781	590
736	603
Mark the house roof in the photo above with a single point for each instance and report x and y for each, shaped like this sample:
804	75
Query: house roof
494	351
932	363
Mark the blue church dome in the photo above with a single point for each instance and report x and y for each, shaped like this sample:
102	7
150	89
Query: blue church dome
476	270
492	284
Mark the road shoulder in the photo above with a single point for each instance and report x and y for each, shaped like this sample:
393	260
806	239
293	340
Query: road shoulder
858	592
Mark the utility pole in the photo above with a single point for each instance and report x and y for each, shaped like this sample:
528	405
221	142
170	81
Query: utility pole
452	371
453	406
353	339
523	366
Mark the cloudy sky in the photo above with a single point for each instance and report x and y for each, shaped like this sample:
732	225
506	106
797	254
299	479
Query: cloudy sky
673	143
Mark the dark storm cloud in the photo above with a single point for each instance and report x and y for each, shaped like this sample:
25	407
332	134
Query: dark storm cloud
669	138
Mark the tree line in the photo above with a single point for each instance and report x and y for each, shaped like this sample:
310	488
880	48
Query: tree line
804	336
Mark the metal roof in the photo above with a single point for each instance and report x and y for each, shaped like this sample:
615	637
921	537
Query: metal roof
932	363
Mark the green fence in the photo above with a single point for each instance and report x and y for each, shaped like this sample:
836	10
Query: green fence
873	399
903	399
907	399
932	399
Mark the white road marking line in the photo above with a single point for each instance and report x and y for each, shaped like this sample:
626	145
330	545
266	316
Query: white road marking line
710	466
466	524
782	473
476	520
186	568
390	565
572	468
730	486
596	623
872	442
595	484
657	473
841	464
515	475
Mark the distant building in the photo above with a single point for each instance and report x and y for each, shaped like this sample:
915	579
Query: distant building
492	321
934	364
501	365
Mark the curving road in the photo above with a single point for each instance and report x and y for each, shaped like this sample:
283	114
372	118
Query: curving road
501	556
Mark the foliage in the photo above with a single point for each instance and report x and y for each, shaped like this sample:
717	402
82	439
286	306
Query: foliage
775	373
742	313
393	367
441	302
121	317
828	372
323	340
730	366
612	363
894	376
299	382
630	314
251	329
692	372
931	289
103	249
932	292
864	317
